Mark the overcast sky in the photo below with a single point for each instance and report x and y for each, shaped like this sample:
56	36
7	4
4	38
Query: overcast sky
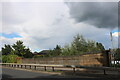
43	25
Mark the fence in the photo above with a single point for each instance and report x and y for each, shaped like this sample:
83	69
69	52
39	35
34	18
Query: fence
98	59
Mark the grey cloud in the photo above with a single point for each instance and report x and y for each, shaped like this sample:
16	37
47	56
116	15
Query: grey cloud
11	20
58	19
99	14
12	14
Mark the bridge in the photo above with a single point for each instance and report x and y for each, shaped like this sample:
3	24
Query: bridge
40	71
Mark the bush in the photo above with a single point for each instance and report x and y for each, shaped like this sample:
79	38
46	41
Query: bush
38	56
11	59
4	58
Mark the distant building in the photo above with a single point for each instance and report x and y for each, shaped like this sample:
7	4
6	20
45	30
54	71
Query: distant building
43	52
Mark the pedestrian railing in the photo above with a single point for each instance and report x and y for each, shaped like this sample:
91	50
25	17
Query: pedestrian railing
45	66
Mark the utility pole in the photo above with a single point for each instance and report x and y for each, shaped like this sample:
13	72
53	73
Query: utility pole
112	49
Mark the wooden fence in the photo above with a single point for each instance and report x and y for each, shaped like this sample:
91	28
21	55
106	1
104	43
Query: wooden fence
98	59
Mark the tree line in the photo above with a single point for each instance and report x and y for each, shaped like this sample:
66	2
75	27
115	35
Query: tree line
14	53
17	49
78	46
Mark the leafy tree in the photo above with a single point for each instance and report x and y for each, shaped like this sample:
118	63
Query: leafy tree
117	54
49	53
68	50
91	46
7	49
80	45
28	53
100	47
57	50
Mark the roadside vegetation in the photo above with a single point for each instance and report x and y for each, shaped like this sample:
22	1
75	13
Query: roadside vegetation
14	53
78	46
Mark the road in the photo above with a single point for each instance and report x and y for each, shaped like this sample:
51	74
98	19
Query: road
17	73
14	74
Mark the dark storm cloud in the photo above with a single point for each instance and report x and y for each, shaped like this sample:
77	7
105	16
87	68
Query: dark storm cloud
99	14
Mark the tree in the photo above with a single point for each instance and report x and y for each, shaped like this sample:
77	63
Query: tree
117	54
65	51
100	47
68	50
57	50
91	46
21	50
7	49
79	43
28	53
49	53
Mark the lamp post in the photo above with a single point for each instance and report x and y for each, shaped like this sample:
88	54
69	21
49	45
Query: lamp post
112	50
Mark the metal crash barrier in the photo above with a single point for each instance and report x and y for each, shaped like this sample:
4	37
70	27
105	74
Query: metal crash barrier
45	66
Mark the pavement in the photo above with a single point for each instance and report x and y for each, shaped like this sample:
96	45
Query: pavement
22	74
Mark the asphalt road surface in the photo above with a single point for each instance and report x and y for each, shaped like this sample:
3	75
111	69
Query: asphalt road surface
16	74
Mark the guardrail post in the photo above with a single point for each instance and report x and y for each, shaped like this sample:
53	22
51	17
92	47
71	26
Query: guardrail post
14	65
45	68
21	66
35	67
18	66
104	71
30	66
74	70
25	66
53	69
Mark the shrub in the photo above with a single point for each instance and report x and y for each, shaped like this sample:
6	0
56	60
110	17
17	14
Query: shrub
38	56
11	58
